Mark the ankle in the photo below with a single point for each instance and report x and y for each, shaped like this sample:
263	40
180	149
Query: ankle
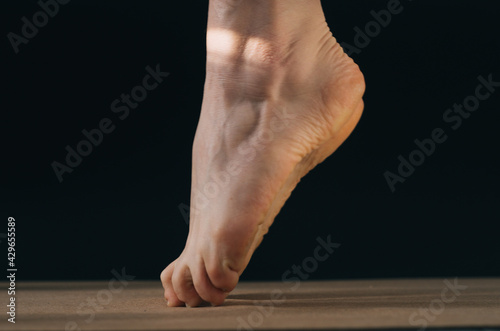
259	32
259	17
248	50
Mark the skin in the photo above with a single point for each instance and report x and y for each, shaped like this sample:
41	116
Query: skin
280	97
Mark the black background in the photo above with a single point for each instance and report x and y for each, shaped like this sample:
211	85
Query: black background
119	208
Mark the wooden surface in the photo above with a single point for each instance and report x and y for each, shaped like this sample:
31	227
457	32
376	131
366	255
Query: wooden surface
139	305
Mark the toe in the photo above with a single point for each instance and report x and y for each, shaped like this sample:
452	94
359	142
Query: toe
221	275
169	293
204	287
184	288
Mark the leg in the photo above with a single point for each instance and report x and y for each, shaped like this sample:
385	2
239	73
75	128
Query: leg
280	97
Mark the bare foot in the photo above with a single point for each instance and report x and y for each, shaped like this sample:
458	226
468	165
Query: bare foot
280	97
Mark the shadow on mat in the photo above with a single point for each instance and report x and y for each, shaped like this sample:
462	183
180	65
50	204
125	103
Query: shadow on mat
342	301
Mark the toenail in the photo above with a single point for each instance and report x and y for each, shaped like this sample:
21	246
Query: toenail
188	306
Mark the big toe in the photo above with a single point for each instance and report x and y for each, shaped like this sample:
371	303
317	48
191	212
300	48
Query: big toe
222	276
204	287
